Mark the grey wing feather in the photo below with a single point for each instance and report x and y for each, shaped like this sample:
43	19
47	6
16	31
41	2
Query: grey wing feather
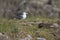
19	17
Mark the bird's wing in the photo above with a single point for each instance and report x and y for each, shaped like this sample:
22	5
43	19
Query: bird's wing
19	17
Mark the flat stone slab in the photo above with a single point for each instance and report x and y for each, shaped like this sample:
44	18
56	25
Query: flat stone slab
41	39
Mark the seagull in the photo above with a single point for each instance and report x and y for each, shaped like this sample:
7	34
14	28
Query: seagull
22	16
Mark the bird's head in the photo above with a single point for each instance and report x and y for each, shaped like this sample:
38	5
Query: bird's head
24	13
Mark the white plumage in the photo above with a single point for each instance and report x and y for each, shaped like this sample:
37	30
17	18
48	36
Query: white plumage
24	15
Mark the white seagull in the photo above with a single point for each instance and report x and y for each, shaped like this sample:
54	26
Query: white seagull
22	16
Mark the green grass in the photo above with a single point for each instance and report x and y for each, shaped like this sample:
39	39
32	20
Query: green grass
14	25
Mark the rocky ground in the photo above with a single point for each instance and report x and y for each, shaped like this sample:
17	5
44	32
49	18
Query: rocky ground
45	8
